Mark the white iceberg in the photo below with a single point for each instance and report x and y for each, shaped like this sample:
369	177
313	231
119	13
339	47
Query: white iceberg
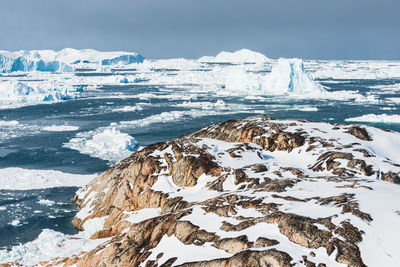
13	93
65	60
288	76
108	144
240	56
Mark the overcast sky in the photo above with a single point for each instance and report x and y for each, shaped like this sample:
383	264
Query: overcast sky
310	29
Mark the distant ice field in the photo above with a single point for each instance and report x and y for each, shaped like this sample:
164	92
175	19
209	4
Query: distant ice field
102	115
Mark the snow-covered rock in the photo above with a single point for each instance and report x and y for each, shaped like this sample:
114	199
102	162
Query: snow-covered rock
65	60
240	56
253	190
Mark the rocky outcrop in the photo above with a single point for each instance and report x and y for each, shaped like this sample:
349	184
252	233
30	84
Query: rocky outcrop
239	193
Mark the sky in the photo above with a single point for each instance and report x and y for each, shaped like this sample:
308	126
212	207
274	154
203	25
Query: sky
309	29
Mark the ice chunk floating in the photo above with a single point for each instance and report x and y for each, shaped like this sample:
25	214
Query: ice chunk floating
108	144
25	179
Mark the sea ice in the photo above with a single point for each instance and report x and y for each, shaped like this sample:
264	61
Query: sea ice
108	144
14	93
60	128
382	118
220	104
46	202
9	123
24	179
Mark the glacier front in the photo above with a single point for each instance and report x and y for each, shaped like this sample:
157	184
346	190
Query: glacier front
66	60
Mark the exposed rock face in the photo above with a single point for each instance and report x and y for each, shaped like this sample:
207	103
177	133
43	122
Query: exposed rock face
253	192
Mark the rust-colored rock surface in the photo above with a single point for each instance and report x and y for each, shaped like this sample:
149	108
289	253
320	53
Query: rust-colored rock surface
252	192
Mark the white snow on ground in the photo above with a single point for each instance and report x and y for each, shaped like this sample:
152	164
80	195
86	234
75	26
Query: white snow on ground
240	56
60	128
109	144
382	118
26	179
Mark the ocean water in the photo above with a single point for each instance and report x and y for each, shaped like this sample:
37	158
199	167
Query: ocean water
150	112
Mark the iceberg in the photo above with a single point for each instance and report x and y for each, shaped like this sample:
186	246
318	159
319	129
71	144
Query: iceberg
240	56
13	93
287	77
66	60
109	144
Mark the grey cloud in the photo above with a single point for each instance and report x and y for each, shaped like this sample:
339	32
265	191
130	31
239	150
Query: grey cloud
342	29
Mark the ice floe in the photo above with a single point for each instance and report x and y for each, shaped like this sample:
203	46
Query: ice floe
25	179
60	128
219	104
382	118
9	123
15	94
50	243
108	144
